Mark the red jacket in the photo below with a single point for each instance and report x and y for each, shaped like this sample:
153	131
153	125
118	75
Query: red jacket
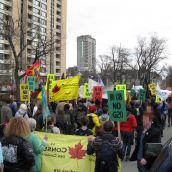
130	125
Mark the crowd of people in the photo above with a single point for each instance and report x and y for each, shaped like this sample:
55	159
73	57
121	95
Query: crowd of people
20	148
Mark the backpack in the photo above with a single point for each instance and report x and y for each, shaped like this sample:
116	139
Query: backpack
90	122
106	157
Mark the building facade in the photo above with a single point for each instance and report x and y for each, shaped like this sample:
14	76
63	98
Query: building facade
86	54
47	15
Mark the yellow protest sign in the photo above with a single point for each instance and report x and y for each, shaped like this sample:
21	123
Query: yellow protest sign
87	94
50	78
152	88
65	153
24	93
65	89
122	87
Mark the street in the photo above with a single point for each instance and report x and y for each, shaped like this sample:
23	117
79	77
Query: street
132	166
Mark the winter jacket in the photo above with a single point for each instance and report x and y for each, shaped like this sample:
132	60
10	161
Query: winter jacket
130	125
18	154
22	113
38	148
95	120
152	135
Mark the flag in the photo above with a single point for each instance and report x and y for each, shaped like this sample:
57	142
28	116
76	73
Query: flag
92	84
100	81
45	109
34	70
162	94
65	89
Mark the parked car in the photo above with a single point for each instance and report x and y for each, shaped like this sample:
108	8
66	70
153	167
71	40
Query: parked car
163	162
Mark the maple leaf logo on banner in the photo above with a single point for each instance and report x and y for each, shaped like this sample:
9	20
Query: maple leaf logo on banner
77	152
56	89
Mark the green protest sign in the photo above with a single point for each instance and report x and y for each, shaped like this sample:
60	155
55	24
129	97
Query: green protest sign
132	92
87	94
117	107
142	95
31	82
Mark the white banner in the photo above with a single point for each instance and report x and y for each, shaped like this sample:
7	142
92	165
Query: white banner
162	94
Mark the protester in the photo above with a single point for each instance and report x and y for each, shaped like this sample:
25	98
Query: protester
80	111
50	126
37	146
163	109
99	110
69	118
127	131
39	118
84	131
60	121
17	152
1	159
94	121
6	112
105	116
22	112
6	115
146	134
169	112
37	105
107	148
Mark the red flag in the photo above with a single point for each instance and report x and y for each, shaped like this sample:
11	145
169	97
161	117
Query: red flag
34	70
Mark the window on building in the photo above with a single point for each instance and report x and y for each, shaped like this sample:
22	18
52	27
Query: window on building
43	14
36	2
36	19
1	6
43	6
36	11
1	56
1	46
43	30
44	0
42	21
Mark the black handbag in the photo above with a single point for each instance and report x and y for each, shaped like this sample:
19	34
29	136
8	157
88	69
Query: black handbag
153	149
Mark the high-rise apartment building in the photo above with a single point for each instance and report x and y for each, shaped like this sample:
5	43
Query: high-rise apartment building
47	15
86	53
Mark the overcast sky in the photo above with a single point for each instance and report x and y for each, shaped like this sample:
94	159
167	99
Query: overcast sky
115	22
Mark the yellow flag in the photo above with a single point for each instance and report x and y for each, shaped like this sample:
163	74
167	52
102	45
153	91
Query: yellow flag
66	89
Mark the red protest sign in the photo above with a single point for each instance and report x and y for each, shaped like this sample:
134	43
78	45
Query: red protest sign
97	93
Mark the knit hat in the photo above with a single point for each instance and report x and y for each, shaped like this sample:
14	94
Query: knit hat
23	107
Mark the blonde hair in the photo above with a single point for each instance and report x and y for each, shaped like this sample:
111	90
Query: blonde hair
17	127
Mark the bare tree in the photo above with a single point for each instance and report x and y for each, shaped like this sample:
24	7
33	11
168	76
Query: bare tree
114	66
169	76
104	63
15	33
148	55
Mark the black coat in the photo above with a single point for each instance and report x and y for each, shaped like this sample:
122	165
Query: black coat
18	154
95	146
152	135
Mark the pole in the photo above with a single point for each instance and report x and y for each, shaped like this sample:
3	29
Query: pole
119	132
